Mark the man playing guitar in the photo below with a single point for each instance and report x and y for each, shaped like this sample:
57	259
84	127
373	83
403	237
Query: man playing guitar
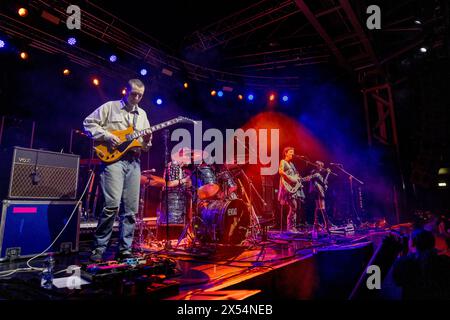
120	180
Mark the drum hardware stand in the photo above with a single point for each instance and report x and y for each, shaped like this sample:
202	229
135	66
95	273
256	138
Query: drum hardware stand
141	225
250	199
254	222
194	199
167	245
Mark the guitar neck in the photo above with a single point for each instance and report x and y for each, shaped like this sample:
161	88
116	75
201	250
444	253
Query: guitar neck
140	133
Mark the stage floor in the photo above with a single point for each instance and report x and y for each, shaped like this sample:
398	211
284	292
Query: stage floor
291	266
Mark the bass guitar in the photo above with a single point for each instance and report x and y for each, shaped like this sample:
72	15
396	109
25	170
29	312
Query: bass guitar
292	187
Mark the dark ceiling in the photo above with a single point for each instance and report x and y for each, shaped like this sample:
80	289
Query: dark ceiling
265	42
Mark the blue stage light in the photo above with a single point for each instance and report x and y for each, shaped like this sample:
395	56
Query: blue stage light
143	72
220	93
2	44
159	101
113	58
250	97
285	98
72	41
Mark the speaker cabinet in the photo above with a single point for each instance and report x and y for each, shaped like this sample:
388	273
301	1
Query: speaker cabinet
38	174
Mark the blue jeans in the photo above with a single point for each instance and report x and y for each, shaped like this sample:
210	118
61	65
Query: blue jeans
120	182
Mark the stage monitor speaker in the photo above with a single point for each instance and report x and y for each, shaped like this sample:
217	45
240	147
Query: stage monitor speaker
37	174
28	227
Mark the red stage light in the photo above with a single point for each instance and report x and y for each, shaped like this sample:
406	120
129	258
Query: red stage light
124	91
240	96
213	93
24	55
96	82
22	12
66	72
186	85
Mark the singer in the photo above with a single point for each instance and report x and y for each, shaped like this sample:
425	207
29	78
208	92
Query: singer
318	186
291	190
120	181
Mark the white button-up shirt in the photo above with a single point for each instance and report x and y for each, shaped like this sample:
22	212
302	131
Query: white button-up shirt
114	115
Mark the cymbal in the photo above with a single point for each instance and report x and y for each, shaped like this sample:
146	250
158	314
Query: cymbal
186	155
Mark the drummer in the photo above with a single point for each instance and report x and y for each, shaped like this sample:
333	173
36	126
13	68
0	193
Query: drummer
179	176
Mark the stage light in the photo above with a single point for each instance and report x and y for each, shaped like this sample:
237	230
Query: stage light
113	58
186	85
285	98
213	92
423	49
96	82
250	97
159	101
72	41
124	91
219	93
240	97
417	22
66	72
23	12
272	97
2	44
442	184
24	55
143	72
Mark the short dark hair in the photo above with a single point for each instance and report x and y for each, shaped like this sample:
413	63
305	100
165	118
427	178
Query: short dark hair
285	150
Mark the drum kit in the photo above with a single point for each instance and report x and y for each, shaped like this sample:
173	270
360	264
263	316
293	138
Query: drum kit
209	205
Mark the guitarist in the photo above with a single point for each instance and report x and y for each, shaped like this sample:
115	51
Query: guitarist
317	187
294	199
120	181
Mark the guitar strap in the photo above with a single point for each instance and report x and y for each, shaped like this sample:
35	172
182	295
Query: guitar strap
293	169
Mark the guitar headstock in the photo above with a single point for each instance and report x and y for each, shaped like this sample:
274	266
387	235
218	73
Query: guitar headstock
186	120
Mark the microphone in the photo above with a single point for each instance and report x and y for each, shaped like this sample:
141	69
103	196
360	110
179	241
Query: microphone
335	164
151	170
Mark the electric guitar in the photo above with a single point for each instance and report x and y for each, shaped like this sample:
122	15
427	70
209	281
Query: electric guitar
129	139
292	187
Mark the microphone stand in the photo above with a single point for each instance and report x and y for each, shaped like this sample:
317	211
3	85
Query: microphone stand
168	245
315	165
350	179
250	199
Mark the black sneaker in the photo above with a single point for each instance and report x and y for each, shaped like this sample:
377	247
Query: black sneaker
96	256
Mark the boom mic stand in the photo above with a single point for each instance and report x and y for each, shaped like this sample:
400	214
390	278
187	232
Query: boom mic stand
350	179
168	245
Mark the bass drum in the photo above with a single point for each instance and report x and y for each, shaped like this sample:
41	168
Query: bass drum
223	222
